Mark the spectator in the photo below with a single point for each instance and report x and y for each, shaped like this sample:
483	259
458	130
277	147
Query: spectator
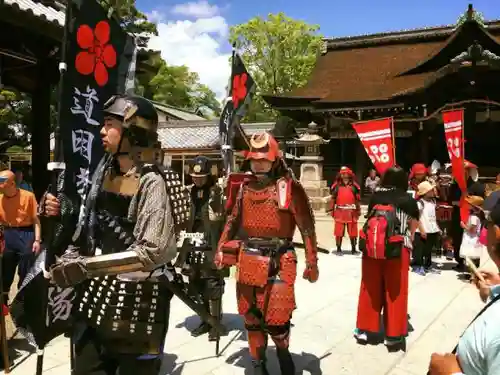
384	274
477	352
18	214
372	181
21	182
427	234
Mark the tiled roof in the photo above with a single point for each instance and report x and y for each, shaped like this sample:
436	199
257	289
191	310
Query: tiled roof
371	68
178	113
198	134
53	13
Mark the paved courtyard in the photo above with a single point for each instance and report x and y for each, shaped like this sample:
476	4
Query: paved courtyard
440	307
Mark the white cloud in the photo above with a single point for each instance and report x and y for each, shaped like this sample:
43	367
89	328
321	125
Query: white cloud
199	9
196	44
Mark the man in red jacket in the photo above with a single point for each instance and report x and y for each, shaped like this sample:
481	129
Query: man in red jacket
346	208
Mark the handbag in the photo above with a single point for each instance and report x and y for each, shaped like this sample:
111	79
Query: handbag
488	305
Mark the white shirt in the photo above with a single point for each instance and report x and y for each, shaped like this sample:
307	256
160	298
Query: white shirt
428	219
470	246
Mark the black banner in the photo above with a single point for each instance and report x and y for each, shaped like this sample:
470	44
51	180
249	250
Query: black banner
242	86
97	66
241	90
99	55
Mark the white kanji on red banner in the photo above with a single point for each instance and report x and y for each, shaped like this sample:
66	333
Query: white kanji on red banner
376	137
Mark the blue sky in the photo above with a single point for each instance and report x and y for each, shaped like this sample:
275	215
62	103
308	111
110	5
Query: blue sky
194	32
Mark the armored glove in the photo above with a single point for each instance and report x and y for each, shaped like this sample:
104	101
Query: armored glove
70	269
311	273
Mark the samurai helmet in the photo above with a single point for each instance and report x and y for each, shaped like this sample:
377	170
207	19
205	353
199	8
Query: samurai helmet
138	116
435	167
472	170
200	167
263	146
418	168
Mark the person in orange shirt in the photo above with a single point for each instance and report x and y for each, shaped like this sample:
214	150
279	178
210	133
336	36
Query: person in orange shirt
18	214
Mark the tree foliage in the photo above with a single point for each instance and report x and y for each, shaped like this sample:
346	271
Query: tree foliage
15	114
132	20
280	53
177	86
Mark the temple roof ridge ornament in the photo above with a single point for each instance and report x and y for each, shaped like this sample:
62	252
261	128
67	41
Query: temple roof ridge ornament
311	135
471	15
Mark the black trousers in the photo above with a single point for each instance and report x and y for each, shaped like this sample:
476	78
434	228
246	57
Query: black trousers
456	234
93	358
422	249
18	254
207	284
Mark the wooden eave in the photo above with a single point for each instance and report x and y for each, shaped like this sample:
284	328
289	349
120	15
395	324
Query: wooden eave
468	33
380	70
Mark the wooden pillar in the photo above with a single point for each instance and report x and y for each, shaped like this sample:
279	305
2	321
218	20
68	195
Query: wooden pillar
361	166
183	169
40	134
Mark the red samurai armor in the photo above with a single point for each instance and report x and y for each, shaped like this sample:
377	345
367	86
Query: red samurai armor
418	173
257	239
345	204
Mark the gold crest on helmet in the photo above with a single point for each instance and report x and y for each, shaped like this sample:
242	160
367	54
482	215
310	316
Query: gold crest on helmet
197	168
130	112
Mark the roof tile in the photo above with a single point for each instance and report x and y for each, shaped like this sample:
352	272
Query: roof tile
37	9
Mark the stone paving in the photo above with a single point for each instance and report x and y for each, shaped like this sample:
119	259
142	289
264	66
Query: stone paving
440	307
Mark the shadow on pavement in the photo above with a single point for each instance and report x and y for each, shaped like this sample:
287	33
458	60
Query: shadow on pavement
233	322
305	363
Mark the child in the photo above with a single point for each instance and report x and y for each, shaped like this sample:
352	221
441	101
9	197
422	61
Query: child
428	232
471	247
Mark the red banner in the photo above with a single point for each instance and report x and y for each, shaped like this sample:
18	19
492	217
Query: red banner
454	135
377	139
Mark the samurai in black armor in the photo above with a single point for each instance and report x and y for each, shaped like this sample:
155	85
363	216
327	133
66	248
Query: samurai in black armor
128	231
206	282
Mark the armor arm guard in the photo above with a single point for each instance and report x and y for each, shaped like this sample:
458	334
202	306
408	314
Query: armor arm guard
227	246
304	218
216	204
113	264
154	231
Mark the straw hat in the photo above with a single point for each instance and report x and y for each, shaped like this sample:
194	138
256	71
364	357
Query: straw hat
474	200
424	187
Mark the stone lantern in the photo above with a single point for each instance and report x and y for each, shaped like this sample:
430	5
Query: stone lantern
311	169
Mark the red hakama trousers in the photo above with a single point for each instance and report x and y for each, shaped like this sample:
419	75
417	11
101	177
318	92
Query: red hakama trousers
384	284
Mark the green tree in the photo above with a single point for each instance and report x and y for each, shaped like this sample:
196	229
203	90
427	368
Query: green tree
177	86
15	112
132	20
279	52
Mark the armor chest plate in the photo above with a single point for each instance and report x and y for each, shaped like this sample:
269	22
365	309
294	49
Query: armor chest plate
114	229
261	216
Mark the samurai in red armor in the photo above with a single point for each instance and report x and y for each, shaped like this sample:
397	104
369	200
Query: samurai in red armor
418	174
346	196
257	238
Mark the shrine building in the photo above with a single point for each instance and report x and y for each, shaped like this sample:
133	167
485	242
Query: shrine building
411	76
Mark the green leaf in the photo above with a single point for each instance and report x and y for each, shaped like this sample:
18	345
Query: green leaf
279	52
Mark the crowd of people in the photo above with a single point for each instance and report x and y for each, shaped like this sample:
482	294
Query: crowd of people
132	221
409	218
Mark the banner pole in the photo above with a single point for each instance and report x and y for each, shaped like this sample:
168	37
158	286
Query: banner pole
393	140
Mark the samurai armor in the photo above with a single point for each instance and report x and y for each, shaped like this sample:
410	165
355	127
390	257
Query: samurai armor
248	296
253	268
230	253
281	303
444	212
345	215
288	267
129	316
